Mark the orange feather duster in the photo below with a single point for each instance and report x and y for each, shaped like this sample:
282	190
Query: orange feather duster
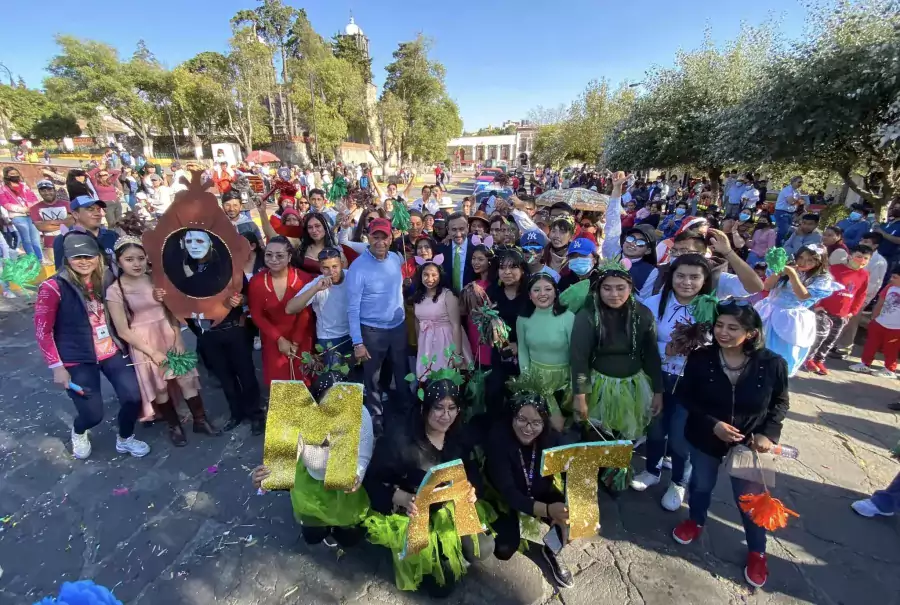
766	511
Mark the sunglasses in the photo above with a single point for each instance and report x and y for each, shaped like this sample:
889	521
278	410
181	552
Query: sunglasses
741	302
637	242
329	253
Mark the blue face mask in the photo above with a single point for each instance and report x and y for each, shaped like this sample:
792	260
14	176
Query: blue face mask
679	212
855	216
581	266
744	216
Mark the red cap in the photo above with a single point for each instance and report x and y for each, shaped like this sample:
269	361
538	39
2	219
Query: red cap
381	225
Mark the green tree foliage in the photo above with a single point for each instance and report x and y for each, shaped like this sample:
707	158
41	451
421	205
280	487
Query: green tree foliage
246	85
432	117
89	76
21	108
677	120
55	127
344	47
391	111
830	99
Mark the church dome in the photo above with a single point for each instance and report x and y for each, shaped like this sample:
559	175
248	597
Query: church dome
352	29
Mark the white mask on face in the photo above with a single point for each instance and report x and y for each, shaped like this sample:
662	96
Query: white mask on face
197	244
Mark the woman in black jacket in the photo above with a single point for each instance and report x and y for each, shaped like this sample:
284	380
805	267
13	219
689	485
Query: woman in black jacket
736	392
513	461
433	435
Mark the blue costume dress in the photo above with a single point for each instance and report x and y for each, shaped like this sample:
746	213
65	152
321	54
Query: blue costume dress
789	324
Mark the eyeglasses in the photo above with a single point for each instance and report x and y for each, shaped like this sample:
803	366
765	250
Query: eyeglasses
276	256
534	425
369	219
448	411
329	253
635	241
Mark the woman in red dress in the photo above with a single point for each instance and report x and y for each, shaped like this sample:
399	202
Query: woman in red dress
318	235
284	337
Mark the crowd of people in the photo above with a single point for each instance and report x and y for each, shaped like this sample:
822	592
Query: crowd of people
656	320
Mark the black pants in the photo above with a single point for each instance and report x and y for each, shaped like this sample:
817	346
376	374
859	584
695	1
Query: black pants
828	330
345	536
229	356
506	542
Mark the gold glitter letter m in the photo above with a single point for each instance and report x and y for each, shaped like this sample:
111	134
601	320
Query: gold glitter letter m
294	413
581	463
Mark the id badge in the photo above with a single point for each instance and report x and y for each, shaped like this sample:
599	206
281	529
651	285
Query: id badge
102	332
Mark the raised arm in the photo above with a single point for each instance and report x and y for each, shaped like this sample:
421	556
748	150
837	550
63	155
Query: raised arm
612	246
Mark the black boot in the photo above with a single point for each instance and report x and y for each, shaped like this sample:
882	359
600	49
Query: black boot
257	426
232	424
563	576
167	412
201	424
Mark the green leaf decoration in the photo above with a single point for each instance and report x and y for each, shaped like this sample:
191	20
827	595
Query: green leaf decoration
22	272
574	297
424	360
338	190
181	363
411	377
320	348
401	220
447	374
421	394
776	259
344	369
703	308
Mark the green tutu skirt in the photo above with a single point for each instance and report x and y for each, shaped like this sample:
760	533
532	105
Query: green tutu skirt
390	531
319	507
556	382
621	404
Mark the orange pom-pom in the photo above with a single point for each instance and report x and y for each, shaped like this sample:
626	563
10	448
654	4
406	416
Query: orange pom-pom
766	511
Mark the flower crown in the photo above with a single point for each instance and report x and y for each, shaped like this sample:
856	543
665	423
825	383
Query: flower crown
614	265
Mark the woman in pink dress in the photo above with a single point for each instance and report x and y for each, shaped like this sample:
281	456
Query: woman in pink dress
437	318
151	331
483	265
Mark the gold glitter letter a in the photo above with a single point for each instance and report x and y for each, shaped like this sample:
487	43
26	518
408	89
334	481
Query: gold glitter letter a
430	492
581	463
294	413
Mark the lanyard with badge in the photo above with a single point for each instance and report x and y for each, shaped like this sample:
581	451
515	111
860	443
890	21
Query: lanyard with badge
95	308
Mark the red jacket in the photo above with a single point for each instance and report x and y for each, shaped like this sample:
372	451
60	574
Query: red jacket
851	299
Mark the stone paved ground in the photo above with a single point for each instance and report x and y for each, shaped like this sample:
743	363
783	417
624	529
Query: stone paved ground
168	530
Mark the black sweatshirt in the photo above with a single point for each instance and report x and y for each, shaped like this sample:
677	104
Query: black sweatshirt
757	404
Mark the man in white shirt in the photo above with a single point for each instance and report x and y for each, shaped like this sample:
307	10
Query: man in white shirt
328	296
426	204
180	178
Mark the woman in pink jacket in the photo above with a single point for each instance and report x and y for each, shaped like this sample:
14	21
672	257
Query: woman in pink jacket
763	239
18	198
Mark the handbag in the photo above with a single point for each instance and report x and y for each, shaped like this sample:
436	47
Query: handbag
747	464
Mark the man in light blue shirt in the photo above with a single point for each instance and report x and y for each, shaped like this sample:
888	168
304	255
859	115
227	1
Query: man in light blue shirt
377	317
806	234
733	195
787	202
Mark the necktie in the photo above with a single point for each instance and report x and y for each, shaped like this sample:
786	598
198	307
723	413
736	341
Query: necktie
457	269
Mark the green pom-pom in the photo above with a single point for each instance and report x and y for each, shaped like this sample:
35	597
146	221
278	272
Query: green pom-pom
338	190
22	272
181	363
776	259
574	297
401	220
703	308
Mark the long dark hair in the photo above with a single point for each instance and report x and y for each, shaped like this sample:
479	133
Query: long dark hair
510	255
529	309
259	262
749	319
129	312
363	224
821	269
492	261
435	392
608	320
306	241
687	260
75	188
421	291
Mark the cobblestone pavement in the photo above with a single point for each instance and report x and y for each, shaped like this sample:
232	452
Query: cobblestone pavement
183	526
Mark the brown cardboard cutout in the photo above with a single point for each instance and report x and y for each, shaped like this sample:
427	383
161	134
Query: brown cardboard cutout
197	254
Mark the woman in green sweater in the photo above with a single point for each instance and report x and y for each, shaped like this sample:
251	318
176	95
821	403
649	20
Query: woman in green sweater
544	330
616	368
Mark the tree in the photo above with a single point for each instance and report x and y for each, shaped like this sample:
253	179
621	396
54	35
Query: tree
55	127
432	118
831	99
246	83
87	75
676	122
21	108
392	112
591	119
549	145
544	116
345	47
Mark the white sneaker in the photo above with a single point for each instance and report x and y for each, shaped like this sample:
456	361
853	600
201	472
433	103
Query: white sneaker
81	445
867	508
666	462
257	343
644	480
640	441
8	294
861	368
132	446
884	373
673	498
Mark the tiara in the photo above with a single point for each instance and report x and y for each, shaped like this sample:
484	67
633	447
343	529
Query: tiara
126	240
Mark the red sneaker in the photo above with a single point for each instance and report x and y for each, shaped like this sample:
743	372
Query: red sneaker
811	366
687	531
757	571
823	371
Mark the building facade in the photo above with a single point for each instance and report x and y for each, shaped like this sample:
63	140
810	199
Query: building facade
514	150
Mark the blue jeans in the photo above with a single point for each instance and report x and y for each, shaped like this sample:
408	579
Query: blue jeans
668	426
386	344
29	235
888	500
783	221
703	480
90	405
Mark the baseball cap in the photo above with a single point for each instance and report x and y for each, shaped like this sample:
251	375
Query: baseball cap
440	216
533	238
582	246
77	243
85	201
381	225
45	184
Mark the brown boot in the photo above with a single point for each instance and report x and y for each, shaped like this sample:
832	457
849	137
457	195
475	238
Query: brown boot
167	412
201	424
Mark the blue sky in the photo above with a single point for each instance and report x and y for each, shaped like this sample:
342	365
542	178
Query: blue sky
502	58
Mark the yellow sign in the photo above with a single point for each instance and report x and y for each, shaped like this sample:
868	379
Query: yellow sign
581	463
293	413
